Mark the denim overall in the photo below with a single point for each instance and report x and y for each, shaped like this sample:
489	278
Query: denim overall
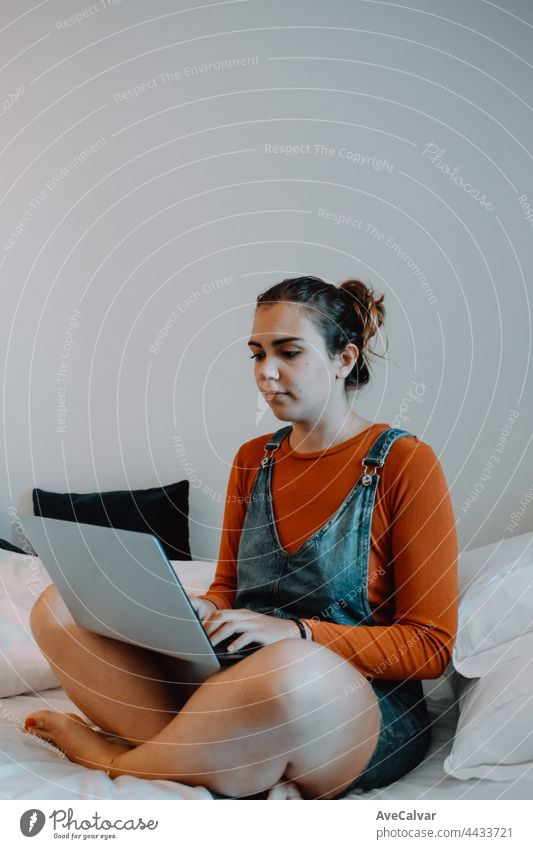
327	578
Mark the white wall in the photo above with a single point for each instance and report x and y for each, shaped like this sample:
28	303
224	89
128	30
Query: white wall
180	189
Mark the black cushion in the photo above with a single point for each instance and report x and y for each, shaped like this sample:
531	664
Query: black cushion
8	547
161	511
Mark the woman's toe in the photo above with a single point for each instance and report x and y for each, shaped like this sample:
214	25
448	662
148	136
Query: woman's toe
36	720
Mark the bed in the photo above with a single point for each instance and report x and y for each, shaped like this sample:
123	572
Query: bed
30	768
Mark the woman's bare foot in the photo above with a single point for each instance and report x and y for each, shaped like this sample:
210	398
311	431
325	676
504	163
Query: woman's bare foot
74	736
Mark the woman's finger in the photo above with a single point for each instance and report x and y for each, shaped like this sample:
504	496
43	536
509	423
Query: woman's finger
244	640
234	617
227	630
213	626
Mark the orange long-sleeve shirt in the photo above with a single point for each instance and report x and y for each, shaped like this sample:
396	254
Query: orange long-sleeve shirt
412	570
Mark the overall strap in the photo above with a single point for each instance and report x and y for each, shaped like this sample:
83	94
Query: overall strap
274	442
380	449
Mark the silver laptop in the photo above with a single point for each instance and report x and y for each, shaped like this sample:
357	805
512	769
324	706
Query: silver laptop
122	585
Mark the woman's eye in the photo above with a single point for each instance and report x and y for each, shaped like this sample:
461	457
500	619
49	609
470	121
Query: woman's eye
289	354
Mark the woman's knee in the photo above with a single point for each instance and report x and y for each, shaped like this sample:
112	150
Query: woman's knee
49	612
296	669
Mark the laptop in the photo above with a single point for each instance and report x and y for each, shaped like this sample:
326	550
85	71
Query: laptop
121	584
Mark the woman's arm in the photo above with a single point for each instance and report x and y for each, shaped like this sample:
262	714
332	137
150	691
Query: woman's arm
223	589
419	642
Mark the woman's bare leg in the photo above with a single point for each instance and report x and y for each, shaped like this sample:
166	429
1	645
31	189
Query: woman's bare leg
294	711
124	689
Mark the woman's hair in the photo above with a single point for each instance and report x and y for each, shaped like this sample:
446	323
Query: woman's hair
346	313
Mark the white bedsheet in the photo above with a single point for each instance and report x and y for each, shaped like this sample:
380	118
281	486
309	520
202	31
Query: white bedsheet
32	769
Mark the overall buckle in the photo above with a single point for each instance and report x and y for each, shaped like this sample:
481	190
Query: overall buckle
367	476
270	446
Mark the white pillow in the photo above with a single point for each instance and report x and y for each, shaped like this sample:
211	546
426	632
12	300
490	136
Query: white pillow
494	736
496	604
195	575
477	564
22	665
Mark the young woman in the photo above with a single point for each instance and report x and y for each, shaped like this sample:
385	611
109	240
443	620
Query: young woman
338	557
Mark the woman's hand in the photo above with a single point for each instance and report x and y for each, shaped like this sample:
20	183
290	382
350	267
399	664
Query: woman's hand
249	627
203	607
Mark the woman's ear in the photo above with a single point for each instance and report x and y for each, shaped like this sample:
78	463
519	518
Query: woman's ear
347	359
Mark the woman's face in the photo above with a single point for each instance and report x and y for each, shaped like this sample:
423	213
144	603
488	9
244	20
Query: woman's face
291	364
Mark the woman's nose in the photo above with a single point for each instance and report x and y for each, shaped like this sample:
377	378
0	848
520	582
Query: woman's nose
269	370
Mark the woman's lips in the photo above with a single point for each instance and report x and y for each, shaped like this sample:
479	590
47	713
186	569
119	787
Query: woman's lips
273	396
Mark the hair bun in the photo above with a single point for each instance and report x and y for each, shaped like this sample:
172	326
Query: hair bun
370	309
